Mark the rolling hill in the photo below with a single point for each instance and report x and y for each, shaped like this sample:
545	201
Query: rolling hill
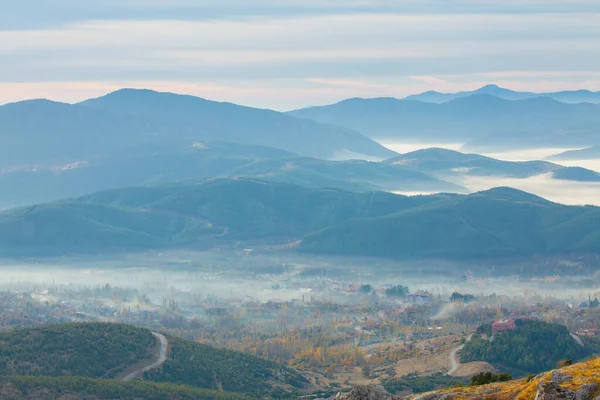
567	96
160	161
481	121
501	222
73	387
533	347
88	350
50	134
453	162
189	116
450	164
103	350
590	153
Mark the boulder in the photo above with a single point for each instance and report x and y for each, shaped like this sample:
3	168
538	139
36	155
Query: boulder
586	391
551	390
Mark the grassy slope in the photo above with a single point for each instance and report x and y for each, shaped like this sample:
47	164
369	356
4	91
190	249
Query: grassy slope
581	374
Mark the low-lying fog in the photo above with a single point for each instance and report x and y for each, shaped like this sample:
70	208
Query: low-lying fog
283	277
560	191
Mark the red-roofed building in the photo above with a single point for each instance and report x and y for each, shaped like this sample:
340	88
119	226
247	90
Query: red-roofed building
503	325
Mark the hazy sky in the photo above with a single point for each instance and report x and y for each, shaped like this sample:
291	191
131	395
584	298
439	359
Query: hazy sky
285	54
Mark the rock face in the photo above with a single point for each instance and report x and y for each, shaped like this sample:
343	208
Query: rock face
586	391
551	389
365	392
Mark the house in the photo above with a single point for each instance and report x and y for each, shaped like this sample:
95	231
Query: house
503	325
418	298
587	332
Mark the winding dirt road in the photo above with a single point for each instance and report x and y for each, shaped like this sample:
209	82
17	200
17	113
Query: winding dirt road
162	357
453	360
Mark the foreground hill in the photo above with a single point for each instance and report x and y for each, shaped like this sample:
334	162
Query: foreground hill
91	350
160	161
567	96
73	387
532	347
501	222
481	121
198	365
576	382
104	350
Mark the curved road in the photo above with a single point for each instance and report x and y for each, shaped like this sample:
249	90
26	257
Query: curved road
453	360
162	357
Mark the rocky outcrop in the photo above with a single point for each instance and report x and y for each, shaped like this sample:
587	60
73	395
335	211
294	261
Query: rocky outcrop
552	389
364	392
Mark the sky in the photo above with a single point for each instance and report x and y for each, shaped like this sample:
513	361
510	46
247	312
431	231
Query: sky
287	54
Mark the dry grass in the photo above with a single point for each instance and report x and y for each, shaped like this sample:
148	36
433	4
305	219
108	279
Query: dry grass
581	373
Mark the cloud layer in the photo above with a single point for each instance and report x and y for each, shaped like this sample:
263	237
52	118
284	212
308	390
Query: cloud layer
287	54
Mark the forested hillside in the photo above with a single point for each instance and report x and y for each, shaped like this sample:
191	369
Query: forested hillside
501	222
46	388
496	223
534	346
96	350
203	366
104	350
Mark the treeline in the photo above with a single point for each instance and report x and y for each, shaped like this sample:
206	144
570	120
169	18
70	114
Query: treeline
27	387
534	346
96	350
195	364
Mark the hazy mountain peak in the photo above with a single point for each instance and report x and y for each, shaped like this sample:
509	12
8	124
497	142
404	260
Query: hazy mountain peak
511	194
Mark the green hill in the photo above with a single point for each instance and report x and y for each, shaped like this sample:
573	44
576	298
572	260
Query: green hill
203	366
534	346
51	388
95	350
105	350
496	223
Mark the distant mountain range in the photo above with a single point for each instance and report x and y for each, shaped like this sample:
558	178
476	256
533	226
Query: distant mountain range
46	133
567	96
480	121
160	161
447	164
590	153
501	222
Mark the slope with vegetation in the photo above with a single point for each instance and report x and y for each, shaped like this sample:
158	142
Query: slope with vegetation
105	350
95	350
70	387
532	347
203	366
501	222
